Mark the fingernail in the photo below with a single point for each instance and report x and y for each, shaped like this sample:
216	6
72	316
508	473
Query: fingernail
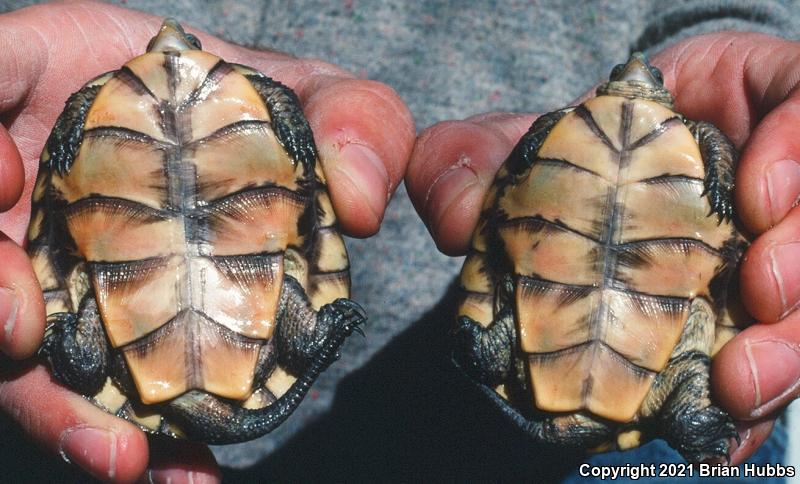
775	373
178	476
368	173
93	449
449	186
783	263
783	188
9	304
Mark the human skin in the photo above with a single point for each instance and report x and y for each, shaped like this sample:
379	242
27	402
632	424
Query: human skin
49	51
748	85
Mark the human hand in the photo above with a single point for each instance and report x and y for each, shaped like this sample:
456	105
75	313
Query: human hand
363	131
748	85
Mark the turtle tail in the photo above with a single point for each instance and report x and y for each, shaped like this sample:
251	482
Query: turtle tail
575	430
204	417
578	430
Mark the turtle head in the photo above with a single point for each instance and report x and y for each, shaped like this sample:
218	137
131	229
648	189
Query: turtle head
637	79
171	37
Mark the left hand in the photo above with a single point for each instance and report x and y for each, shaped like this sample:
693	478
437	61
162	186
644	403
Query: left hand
748	85
364	133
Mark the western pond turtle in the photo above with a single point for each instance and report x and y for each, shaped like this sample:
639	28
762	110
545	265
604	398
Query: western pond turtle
594	293
195	280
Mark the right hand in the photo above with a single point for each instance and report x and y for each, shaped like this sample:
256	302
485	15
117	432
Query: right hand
748	85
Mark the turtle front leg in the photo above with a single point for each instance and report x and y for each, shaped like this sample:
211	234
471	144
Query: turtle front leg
486	353
688	420
526	151
303	331
719	157
76	348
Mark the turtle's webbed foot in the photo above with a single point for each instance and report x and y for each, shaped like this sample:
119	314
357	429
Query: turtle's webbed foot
721	203
702	435
719	156
336	321
467	350
485	353
76	350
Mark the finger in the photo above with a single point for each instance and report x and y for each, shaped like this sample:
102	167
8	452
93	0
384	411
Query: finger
364	133
45	52
177	462
752	435
758	371
12	175
21	305
36	57
768	177
363	130
452	166
105	446
745	83
769	274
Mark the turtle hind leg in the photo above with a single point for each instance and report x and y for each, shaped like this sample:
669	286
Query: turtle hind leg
207	418
76	348
485	353
303	331
689	422
680	399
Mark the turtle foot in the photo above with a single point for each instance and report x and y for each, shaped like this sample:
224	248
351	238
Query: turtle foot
704	435
485	354
467	347
75	347
342	317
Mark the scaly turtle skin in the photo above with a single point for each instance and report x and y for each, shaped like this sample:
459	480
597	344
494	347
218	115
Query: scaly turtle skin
194	277
594	294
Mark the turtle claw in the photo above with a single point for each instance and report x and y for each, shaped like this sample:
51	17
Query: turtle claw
349	315
342	317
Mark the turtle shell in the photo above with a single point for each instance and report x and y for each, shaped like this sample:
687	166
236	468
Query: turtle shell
184	213
607	240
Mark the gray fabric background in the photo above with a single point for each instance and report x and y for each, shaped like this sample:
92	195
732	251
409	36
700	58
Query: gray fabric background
400	412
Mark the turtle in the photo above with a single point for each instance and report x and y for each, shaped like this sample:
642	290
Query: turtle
194	277
595	289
